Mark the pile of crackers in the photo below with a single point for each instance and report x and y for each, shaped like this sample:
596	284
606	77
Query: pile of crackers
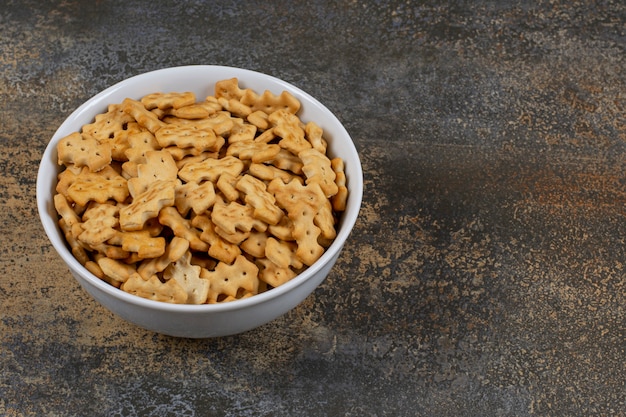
193	201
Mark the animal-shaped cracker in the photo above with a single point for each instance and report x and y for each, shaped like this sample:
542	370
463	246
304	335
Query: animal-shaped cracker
272	274
186	136
84	151
148	204
317	168
173	252
269	103
98	186
182	227
228	89
116	270
289	127
211	169
142	115
257	196
140	242
107	124
282	253
235	107
314	135
257	152
154	289
158	166
194	196
233	217
219	248
310	213
188	277
231	280
168	100
99	223
241	132
340	199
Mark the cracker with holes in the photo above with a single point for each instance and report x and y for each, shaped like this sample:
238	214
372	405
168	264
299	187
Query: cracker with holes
148	205
317	168
153	289
169	100
188	277
99	223
289	127
185	136
143	116
211	169
106	125
232	280
101	186
263	203
310	213
84	151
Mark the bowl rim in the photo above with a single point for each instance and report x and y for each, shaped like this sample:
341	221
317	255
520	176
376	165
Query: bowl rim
348	218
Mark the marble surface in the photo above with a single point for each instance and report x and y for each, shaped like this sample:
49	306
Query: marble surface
485	276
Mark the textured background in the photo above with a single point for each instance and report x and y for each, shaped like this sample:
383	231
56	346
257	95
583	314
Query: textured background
485	276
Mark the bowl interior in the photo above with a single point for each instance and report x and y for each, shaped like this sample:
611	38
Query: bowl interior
199	79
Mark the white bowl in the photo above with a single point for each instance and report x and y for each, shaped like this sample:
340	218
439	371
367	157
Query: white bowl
210	320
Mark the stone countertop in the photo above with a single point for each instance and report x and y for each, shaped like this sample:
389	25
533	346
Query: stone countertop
485	276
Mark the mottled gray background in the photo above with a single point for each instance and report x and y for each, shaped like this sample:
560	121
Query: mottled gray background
485	276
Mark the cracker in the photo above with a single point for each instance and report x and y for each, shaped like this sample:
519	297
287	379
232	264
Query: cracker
182	227
257	196
282	254
255	244
310	213
114	269
154	289
83	151
105	125
269	103
289	127
259	120
194	196
140	242
315	135
64	209
164	101
76	247
272	274
317	168
226	185
269	172
147	205
340	199
257	152
158	166
234	106
211	169
99	186
228	89
219	248
242	132
176	248
99	223
230	280
185	136
233	217
287	161
143	116
188	277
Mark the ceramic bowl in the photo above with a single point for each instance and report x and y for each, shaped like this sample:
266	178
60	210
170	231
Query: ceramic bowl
209	320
